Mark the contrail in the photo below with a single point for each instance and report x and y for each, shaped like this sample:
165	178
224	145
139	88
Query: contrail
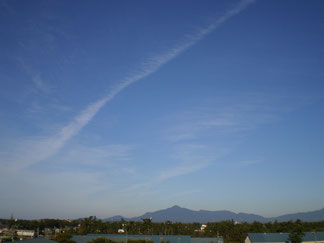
52	145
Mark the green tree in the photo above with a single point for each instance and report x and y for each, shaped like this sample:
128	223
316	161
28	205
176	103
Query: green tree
64	238
102	240
297	235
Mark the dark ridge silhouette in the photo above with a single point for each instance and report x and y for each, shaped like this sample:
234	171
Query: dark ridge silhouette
179	214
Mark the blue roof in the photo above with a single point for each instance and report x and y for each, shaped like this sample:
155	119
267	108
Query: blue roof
268	237
284	237
122	238
206	240
154	238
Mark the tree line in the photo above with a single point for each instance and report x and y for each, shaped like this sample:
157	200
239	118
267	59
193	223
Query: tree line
40	224
231	231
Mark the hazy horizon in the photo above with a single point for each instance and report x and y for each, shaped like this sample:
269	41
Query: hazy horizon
124	216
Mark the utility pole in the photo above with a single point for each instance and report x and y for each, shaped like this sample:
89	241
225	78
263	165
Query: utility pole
315	236
125	228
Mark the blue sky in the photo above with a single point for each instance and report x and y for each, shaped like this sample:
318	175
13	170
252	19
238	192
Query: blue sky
123	107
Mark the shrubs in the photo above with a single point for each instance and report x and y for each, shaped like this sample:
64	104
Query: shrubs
64	238
102	240
139	241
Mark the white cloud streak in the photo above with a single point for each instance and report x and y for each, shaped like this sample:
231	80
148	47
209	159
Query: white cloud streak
182	169
228	115
192	157
245	163
53	144
40	84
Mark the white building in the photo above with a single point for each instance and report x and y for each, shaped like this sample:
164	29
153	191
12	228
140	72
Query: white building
203	227
25	233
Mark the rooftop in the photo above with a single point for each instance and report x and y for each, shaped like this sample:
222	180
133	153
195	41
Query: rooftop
284	237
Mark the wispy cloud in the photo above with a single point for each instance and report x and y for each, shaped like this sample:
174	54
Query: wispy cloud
108	158
34	107
40	84
182	169
50	145
191	158
245	163
229	115
188	159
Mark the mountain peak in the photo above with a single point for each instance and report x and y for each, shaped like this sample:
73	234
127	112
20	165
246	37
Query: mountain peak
180	214
176	207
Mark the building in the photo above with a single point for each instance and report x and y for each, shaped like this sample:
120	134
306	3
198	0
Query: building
3	228
5	233
207	240
37	240
23	234
309	237
202	228
155	238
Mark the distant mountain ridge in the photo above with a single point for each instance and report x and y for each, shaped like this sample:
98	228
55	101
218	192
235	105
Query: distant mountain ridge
179	214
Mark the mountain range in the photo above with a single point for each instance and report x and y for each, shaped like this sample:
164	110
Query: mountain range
179	214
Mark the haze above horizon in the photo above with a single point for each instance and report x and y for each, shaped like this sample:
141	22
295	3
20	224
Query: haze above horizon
124	107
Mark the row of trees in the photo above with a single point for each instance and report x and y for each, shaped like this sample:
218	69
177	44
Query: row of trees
231	231
92	225
39	224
